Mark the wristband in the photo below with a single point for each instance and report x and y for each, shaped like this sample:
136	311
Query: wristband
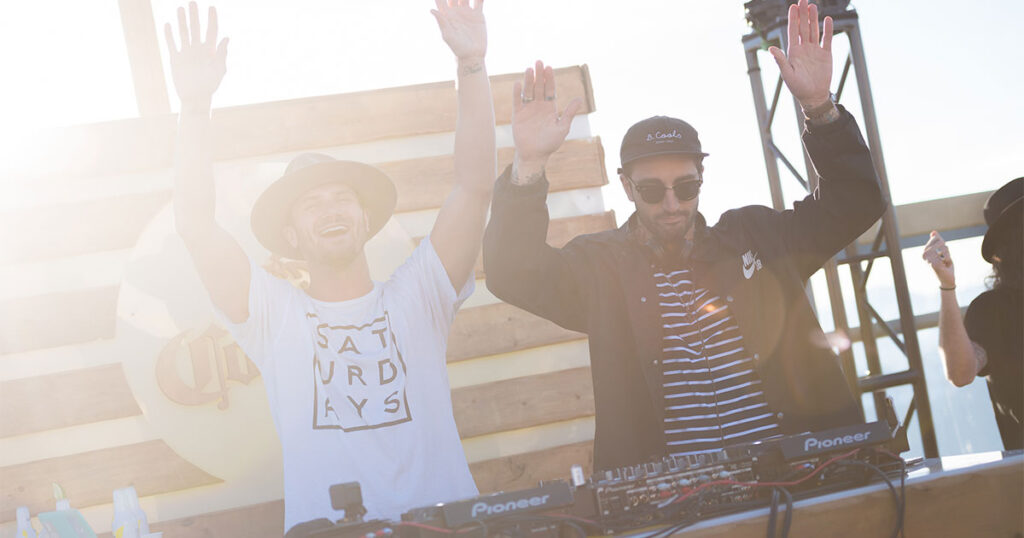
947	289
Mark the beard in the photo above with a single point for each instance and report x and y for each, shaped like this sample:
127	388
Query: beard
333	252
669	229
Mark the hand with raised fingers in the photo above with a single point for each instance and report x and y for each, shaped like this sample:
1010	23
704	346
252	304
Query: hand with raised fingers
462	27
537	126
806	67
199	65
936	253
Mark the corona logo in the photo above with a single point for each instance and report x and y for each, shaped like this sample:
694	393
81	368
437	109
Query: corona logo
215	360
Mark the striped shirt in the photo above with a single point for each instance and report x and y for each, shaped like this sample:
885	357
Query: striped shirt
713	395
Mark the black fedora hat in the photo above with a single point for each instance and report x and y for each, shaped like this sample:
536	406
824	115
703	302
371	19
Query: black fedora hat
1003	210
270	213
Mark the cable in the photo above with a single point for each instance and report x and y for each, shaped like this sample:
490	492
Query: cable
426	527
765	484
788	520
693	516
898	500
903	485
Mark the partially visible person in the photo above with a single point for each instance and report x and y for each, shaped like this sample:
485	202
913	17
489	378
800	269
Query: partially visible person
989	340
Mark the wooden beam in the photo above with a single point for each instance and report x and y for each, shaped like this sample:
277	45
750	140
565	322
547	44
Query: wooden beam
102	393
943	214
501	328
89	314
523	402
57	319
127	146
116	223
89	478
264	520
28	323
65	399
522	471
140	37
425	183
67	230
560	231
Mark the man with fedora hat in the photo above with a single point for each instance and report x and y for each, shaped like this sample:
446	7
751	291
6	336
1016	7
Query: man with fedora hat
989	340
700	336
354	369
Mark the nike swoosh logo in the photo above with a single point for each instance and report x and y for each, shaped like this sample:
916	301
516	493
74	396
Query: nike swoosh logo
748	271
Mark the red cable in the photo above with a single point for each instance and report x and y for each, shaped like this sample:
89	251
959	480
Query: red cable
433	528
759	484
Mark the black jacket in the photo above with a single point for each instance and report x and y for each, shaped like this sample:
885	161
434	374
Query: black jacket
756	259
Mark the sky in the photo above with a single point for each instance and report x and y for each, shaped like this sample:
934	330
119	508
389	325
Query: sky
946	78
943	80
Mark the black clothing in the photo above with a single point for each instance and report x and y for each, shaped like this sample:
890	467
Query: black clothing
755	259
995	321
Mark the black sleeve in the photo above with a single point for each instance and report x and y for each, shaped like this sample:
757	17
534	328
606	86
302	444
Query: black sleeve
847	202
982	329
520	267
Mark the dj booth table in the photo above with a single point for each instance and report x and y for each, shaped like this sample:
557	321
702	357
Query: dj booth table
969	495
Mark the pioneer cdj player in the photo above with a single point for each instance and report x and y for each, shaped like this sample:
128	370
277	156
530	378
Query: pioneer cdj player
736	478
673	490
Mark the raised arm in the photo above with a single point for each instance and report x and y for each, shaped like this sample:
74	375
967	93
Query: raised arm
962	358
459	228
521	267
197	68
537	126
848	198
806	66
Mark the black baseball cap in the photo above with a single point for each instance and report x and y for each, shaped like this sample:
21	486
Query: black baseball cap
659	135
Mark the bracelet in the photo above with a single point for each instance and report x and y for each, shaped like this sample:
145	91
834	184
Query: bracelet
947	289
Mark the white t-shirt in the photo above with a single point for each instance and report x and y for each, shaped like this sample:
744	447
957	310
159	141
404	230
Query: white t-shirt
359	389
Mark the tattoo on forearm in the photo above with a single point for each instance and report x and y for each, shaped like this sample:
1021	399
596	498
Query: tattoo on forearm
527	179
827	117
470	68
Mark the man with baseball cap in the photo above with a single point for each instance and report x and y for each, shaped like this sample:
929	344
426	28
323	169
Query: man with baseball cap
989	340
700	336
354	369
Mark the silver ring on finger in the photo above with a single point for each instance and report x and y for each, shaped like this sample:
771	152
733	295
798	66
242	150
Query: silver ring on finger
527	99
549	98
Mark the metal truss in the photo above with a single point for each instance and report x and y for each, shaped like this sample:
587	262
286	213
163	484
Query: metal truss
860	260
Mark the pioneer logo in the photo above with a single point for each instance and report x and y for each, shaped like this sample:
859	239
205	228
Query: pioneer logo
813	443
482	509
545	496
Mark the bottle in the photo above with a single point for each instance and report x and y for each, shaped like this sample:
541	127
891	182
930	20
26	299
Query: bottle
25	528
125	525
140	515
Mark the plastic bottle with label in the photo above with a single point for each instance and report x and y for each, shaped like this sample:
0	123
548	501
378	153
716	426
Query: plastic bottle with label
125	524
140	515
25	528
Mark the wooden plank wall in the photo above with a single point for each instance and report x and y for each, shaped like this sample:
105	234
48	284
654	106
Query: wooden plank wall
523	399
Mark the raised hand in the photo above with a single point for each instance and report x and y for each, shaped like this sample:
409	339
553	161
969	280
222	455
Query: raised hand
937	255
537	126
462	27
198	66
806	66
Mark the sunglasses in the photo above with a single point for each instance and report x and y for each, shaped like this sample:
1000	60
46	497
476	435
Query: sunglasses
655	193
